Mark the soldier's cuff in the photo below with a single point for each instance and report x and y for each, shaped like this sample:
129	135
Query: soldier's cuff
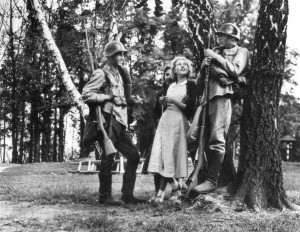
100	98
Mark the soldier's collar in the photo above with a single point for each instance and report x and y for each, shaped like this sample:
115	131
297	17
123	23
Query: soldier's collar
111	69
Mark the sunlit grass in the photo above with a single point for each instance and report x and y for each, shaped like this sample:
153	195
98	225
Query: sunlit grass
51	184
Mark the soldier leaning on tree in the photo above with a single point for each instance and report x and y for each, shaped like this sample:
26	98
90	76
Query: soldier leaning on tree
227	64
110	87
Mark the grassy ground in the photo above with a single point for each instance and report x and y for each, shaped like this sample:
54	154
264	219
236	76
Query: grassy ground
45	197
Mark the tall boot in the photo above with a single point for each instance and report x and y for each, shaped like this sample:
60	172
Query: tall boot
214	160
127	190
105	196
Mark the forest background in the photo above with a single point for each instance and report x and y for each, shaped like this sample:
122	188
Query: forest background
38	120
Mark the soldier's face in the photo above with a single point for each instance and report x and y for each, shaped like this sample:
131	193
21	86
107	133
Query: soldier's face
118	58
225	41
222	40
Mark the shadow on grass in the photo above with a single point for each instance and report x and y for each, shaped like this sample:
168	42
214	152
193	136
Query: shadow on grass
50	183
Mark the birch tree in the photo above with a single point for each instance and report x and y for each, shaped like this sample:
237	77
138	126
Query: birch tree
65	76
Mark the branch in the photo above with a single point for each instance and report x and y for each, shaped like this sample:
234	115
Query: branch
65	76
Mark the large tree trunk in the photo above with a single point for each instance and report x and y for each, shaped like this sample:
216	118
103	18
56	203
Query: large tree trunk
259	179
200	23
65	76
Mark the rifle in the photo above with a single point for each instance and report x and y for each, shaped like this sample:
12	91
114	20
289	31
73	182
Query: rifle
193	179
109	148
108	145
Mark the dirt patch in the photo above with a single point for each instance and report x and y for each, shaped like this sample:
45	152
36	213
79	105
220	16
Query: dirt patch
28	216
44	197
5	167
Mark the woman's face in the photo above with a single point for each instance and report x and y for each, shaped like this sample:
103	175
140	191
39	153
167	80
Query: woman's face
181	67
168	77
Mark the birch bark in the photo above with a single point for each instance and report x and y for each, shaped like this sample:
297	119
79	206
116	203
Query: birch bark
65	76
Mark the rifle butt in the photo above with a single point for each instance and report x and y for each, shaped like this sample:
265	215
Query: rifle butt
109	147
193	183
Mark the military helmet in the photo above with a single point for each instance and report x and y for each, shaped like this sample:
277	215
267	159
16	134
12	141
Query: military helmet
230	30
113	47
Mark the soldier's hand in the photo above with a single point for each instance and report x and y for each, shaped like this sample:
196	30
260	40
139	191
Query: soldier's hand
209	53
206	62
109	97
115	91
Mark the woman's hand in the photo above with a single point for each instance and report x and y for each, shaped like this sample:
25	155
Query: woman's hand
169	100
161	100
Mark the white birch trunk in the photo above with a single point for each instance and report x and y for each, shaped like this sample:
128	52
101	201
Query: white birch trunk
65	76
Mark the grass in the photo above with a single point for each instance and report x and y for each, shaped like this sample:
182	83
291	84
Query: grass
75	197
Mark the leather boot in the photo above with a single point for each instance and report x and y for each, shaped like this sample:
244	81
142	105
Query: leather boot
214	161
105	196
127	191
206	187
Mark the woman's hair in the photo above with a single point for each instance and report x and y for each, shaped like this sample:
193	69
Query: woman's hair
165	86
165	70
174	61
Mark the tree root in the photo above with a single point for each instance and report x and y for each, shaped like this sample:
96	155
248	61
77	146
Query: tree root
254	200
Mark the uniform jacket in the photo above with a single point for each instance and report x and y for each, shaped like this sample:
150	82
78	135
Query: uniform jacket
228	66
94	92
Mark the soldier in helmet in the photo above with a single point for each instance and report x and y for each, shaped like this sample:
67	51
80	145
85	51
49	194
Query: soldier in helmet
227	64
110	87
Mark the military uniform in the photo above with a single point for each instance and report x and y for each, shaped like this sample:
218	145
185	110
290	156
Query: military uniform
228	65
102	83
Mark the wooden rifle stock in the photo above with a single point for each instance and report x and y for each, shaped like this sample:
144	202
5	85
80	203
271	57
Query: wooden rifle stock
193	179
109	148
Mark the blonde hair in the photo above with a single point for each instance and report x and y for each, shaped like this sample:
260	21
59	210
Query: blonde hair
189	63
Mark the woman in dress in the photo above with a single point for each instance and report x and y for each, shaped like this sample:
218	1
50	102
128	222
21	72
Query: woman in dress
169	156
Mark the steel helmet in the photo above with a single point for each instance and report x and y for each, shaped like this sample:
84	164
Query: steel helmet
113	47
230	30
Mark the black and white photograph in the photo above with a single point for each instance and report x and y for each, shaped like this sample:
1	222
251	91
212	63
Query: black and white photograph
149	116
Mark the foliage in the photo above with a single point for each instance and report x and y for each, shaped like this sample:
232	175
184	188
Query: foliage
146	60
152	35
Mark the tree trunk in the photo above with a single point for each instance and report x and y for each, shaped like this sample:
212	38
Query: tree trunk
14	110
61	134
37	134
200	24
65	76
21	152
259	179
4	141
34	127
54	155
31	125
47	131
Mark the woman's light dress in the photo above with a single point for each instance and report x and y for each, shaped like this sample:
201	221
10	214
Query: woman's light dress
169	155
